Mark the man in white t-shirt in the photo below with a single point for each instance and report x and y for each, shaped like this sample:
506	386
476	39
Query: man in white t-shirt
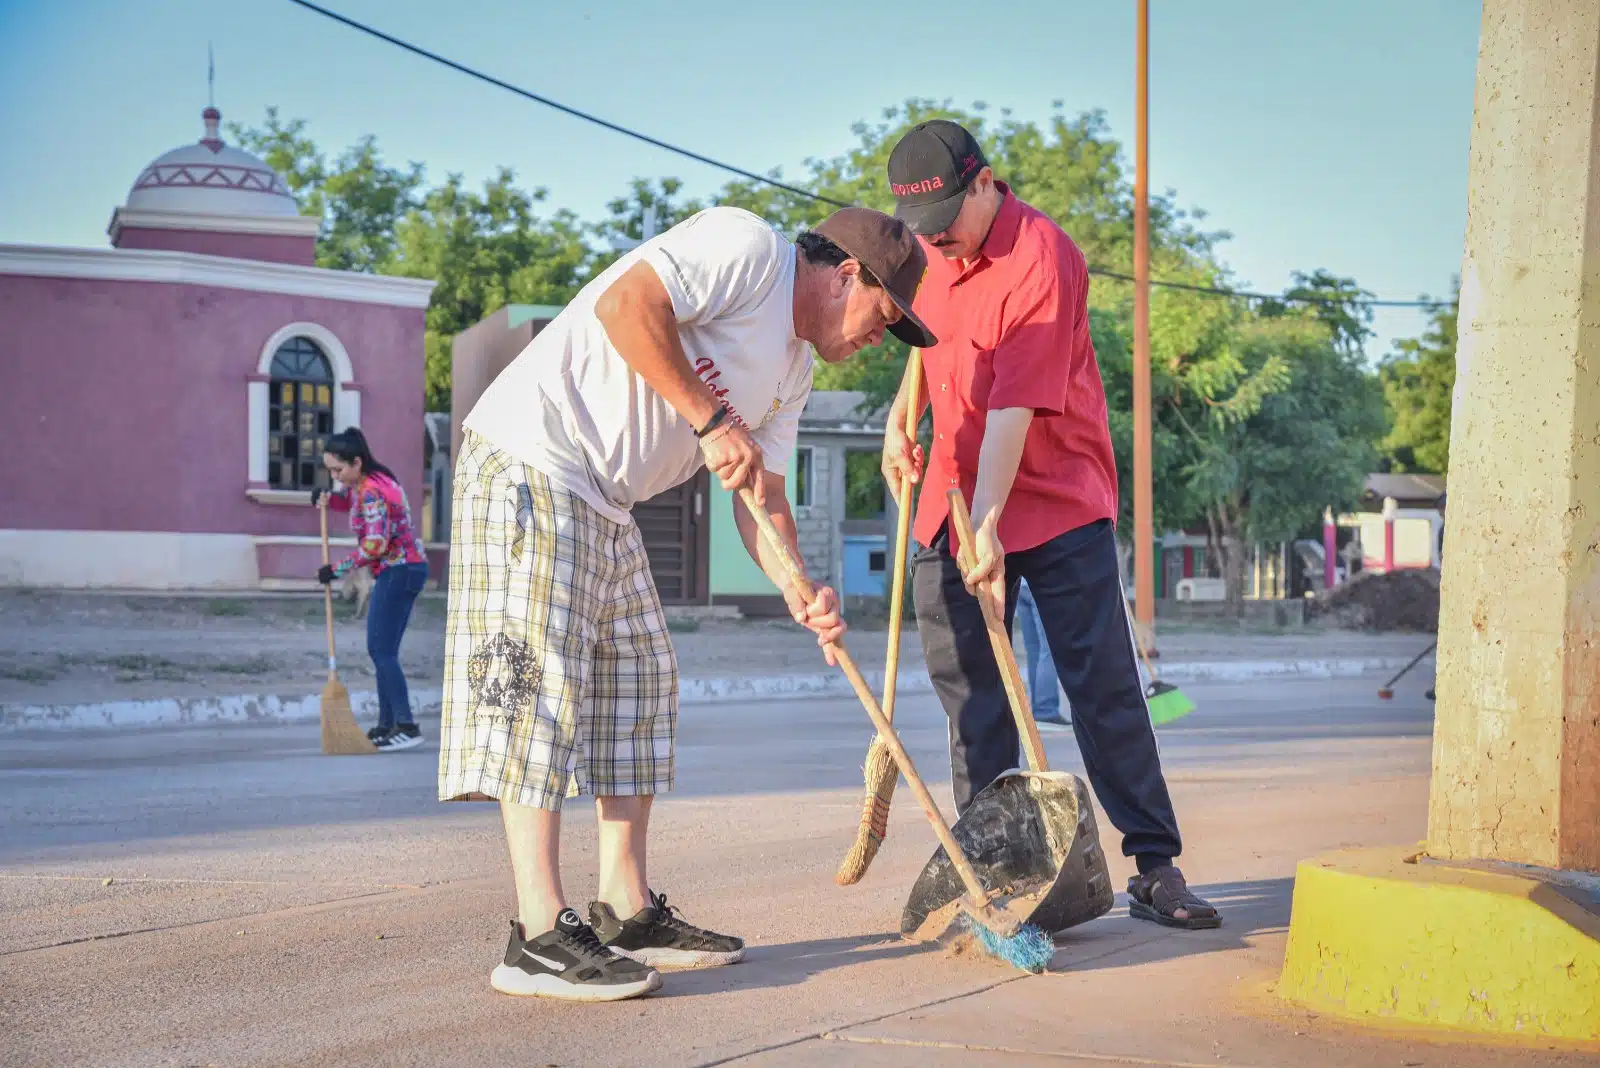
560	678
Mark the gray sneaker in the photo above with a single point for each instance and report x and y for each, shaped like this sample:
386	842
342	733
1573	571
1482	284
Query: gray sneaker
570	964
658	936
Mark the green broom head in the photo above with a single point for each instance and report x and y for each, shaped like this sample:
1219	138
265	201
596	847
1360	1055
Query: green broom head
1167	703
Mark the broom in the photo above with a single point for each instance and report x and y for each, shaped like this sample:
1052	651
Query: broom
1020	944
341	735
881	773
1386	691
1165	701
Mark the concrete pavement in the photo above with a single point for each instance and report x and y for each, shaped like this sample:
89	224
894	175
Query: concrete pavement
268	905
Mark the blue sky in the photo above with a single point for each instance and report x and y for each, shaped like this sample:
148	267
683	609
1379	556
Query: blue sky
1320	134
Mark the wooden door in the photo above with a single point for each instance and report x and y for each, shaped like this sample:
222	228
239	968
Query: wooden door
677	537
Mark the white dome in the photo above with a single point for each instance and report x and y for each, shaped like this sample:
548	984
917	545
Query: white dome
211	178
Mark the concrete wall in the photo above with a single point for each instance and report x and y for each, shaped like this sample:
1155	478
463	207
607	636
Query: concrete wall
479	353
275	248
733	573
817	525
127	402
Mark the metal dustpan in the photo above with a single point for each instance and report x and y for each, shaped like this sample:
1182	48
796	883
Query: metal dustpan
1031	837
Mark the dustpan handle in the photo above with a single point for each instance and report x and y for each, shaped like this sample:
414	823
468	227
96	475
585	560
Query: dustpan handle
1000	641
941	829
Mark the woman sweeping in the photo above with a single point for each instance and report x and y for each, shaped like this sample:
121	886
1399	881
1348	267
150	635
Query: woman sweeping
386	543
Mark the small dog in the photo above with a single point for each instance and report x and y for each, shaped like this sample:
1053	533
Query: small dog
357	586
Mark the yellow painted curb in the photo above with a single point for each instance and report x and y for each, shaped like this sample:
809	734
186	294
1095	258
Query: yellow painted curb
1439	946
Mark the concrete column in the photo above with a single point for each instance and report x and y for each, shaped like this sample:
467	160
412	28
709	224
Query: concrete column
1516	753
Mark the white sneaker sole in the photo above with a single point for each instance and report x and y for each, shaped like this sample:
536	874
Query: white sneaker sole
400	743
680	958
518	983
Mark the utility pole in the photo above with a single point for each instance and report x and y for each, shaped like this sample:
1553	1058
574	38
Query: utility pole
1144	599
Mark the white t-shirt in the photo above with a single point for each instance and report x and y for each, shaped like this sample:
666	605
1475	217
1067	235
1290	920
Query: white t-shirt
572	408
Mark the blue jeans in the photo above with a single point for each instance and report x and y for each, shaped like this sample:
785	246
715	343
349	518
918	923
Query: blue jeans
1043	692
393	593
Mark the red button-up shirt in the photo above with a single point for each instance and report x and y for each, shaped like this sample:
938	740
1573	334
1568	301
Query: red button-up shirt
1013	331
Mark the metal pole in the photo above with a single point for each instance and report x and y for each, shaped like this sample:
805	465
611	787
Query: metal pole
1144	605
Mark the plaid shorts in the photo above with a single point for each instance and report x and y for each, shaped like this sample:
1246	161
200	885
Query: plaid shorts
559	676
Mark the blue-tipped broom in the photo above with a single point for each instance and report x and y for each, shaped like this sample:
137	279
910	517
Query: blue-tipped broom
1020	944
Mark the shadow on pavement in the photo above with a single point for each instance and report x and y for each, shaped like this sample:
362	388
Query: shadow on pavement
1249	908
790	964
1252	908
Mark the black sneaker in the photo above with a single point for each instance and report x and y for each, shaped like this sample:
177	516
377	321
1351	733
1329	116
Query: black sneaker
405	736
374	733
657	936
569	963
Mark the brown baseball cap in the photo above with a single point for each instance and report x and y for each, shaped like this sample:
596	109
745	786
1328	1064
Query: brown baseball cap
885	246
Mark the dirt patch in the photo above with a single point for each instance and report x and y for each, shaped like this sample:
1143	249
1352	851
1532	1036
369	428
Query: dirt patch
1405	600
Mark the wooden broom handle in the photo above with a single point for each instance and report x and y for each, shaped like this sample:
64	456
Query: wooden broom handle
775	542
327	589
902	540
1000	641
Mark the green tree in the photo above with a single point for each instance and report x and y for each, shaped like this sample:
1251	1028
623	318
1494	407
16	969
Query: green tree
1339	303
1419	378
1280	424
1070	167
359	198
625	217
486	250
1261	416
284	146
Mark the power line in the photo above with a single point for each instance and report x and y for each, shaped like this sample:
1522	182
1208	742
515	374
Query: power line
526	94
1282	298
547	102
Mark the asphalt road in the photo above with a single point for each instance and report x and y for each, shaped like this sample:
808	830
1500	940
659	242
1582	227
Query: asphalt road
231	896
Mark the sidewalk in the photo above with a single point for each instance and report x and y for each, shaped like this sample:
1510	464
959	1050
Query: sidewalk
75	661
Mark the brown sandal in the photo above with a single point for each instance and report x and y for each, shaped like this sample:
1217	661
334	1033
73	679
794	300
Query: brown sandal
1159	894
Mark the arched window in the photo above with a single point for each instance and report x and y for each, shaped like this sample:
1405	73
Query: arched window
300	415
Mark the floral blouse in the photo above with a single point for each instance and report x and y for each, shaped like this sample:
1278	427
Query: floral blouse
381	521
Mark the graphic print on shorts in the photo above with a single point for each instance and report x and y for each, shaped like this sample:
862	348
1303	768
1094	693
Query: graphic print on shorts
503	674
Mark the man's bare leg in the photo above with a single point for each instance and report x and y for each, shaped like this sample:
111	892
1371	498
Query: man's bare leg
624	831
658	937
533	837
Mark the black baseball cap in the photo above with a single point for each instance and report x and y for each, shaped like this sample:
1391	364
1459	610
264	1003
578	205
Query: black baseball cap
885	246
929	171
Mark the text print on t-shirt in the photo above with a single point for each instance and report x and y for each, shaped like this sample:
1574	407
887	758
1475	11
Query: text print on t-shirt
706	368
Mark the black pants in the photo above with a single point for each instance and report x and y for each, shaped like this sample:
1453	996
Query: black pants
1076	585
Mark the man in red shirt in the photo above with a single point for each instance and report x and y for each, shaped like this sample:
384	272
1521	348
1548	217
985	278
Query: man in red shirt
1019	421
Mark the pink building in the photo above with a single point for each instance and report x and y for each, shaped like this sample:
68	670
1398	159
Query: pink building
168	396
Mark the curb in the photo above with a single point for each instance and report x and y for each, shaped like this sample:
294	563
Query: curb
181	712
272	709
